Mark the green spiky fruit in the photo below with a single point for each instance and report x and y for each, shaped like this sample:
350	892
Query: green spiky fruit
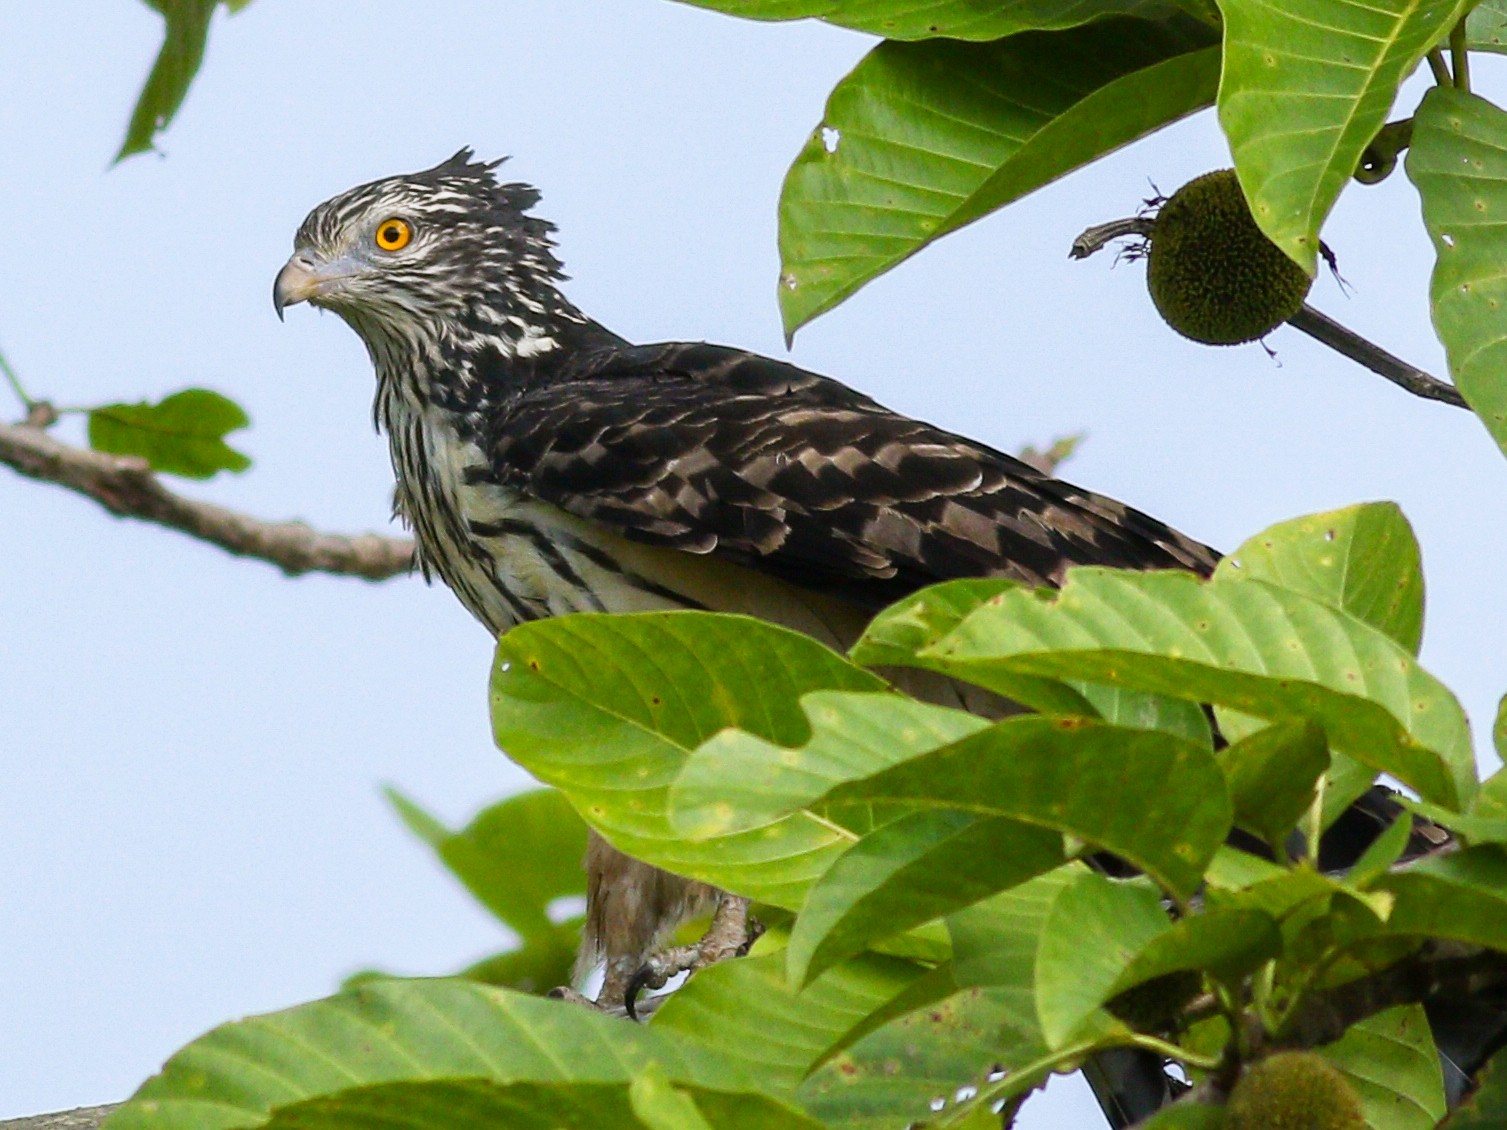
1213	274
1294	1091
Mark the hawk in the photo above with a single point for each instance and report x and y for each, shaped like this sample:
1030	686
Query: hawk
548	466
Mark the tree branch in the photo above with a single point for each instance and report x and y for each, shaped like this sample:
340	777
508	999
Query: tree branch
81	1118
127	488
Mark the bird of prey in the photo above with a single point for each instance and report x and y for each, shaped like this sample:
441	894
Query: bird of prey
547	466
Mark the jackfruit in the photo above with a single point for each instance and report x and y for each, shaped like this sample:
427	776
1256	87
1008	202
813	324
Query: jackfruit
1212	273
1294	1091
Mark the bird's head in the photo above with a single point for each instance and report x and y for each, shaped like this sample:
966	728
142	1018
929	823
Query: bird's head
446	251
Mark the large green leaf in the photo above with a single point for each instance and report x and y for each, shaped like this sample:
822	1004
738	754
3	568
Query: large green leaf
908	872
738	780
1304	90
1272	775
607	708
183	434
185	33
649	1102
1460	897
747	1011
923	138
1103	937
900	1074
899	635
950	19
518	857
1363	560
405	1031
1393	1065
1458	160
1248	645
1148	797
1486	27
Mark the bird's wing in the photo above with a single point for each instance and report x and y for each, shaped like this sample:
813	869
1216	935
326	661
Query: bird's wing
715	451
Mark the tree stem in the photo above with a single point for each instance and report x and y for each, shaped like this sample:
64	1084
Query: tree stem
1325	329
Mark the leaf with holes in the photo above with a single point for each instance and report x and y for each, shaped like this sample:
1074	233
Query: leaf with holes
1248	645
923	138
1458	160
183	434
1305	88
185	33
1363	560
608	708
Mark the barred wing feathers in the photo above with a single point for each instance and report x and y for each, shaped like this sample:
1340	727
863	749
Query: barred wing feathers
716	451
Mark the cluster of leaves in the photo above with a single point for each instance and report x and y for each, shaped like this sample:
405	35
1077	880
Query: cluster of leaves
951	944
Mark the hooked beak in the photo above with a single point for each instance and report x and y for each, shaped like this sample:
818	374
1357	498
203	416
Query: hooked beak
303	278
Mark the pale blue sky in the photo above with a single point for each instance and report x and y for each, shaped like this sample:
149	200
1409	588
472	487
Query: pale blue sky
191	746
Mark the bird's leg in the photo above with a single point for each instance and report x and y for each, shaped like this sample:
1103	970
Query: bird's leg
730	934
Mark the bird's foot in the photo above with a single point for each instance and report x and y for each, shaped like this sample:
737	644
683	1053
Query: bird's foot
731	933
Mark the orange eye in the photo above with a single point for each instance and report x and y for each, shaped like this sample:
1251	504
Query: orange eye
393	234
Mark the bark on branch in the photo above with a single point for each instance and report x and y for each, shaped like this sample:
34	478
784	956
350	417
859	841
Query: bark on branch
81	1118
127	488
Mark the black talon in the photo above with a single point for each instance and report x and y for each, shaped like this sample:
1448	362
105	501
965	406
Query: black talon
556	994
641	981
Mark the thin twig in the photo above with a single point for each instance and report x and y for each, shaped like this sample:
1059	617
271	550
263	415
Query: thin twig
15	382
1093	239
1325	329
126	487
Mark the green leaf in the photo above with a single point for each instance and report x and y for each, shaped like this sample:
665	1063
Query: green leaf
1247	645
517	857
1363	560
1460	897
748	1012
738	780
1486	27
1272	776
1458	160
648	1103
950	19
405	1031
1102	938
1148	797
1304	90
1093	930
994	942
894	1076
923	138
1185	1116
1391	1061
183	434
908	872
184	37
607	708
896	637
